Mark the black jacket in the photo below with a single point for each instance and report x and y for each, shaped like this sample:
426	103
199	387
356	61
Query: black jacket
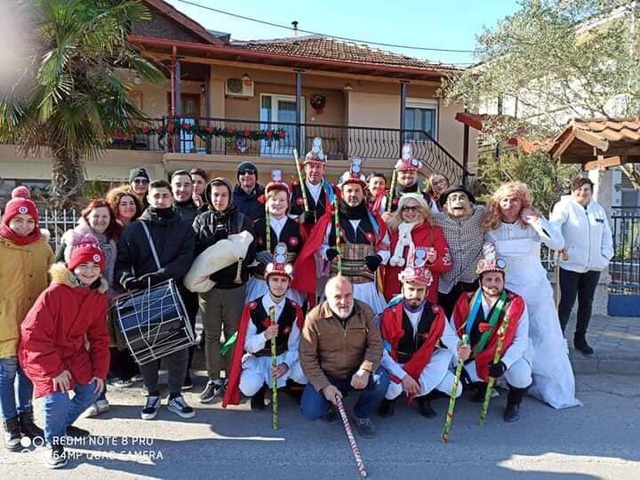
174	241
249	204
211	227
188	210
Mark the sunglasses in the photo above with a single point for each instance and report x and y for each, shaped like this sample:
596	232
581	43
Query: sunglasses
247	172
410	208
140	181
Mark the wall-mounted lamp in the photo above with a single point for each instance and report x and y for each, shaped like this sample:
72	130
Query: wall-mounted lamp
246	79
202	88
137	80
347	87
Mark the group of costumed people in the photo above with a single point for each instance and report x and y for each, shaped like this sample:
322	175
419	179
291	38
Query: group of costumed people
333	289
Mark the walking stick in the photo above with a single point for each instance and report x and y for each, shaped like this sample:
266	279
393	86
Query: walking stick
305	202
496	358
352	441
267	216
274	378
392	187
337	226
452	398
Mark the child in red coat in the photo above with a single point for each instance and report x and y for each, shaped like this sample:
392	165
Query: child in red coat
65	344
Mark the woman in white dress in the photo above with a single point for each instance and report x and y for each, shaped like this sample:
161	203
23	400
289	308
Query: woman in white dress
517	229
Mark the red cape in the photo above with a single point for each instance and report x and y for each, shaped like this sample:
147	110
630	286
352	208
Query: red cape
304	267
514	310
392	332
232	393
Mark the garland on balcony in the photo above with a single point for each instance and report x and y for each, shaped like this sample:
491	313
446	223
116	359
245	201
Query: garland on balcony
206	132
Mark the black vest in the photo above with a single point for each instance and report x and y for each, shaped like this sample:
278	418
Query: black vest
290	235
260	318
476	334
414	189
412	341
363	235
297	202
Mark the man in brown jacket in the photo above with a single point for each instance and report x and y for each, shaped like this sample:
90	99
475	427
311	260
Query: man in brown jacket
340	351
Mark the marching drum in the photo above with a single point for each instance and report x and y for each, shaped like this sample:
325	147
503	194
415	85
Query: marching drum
153	322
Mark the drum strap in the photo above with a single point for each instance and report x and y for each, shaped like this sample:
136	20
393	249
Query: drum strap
153	247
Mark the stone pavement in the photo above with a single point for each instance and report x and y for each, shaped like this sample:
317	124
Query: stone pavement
616	341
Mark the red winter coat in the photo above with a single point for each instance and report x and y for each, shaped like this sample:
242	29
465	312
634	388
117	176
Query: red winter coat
55	329
423	236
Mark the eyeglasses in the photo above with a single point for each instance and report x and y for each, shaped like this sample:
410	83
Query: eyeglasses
247	172
410	208
138	181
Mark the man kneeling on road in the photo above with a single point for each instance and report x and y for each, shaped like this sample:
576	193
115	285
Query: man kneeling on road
340	351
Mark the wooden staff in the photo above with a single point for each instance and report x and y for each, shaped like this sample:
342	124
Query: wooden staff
352	441
502	331
274	377
452	398
301	179
337	227
267	217
394	179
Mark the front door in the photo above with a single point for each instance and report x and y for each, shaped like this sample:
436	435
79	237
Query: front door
275	109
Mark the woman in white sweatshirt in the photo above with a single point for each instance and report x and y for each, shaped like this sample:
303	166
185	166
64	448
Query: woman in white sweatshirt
589	247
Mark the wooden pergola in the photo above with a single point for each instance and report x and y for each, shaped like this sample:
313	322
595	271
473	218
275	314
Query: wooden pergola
598	143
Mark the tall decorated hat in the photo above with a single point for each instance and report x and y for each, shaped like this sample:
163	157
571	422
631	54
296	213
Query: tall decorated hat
417	269
277	183
279	265
408	162
354	175
316	155
490	261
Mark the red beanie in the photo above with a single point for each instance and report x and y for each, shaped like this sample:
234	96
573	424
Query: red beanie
87	250
20	204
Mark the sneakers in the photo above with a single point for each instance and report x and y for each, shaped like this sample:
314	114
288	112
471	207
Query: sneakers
365	427
97	408
123	383
211	391
150	409
178	406
77	432
12	434
54	456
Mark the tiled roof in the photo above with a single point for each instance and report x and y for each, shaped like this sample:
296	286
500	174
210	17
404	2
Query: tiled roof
332	49
611	129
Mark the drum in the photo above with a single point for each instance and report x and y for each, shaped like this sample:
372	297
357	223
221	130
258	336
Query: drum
153	322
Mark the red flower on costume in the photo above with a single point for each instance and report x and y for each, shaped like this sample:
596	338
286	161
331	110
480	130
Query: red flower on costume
483	327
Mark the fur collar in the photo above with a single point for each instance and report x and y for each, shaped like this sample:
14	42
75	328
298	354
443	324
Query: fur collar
62	275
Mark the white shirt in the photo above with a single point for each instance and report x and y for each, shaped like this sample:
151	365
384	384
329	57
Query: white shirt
278	225
314	190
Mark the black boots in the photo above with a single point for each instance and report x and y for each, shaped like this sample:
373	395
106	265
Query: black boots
27	427
514	399
481	390
257	401
387	408
580	342
424	405
12	434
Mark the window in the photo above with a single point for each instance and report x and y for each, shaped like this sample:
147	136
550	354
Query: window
421	114
274	109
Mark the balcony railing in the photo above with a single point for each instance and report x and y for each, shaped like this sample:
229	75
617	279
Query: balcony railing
278	139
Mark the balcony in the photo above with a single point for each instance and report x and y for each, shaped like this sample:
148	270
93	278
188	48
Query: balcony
219	136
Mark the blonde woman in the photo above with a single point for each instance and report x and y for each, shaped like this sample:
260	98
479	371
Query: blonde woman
411	226
438	184
517	230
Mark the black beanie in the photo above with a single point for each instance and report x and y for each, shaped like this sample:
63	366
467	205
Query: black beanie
246	166
138	172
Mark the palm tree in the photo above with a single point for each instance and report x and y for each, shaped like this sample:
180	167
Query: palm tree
73	95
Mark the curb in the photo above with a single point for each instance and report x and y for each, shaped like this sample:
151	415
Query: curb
604	364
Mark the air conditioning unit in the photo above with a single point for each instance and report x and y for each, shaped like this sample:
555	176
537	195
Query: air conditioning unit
237	87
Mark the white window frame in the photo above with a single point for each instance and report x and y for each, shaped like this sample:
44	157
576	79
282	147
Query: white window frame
267	148
426	103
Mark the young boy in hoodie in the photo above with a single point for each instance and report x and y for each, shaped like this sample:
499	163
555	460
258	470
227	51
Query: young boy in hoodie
65	344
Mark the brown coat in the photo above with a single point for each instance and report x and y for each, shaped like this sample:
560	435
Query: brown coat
329	350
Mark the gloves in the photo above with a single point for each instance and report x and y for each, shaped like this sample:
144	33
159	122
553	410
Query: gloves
372	262
265	257
331	253
131	284
307	217
496	370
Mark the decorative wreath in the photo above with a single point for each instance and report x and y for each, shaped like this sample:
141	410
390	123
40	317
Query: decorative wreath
318	102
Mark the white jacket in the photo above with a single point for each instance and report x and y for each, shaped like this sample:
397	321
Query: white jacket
587	235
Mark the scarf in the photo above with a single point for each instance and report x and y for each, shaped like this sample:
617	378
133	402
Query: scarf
13	237
353	213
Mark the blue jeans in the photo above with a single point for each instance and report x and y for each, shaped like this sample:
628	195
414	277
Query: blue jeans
315	405
9	370
60	411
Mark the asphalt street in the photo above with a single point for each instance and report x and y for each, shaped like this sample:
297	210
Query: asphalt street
599	440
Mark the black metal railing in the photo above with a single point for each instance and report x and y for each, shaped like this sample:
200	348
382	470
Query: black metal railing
625	264
278	139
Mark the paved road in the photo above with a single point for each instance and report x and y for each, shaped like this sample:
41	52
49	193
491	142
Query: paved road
599	440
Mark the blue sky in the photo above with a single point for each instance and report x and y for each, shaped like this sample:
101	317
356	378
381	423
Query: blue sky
449	24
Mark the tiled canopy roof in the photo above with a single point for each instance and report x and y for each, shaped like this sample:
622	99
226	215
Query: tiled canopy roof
338	50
